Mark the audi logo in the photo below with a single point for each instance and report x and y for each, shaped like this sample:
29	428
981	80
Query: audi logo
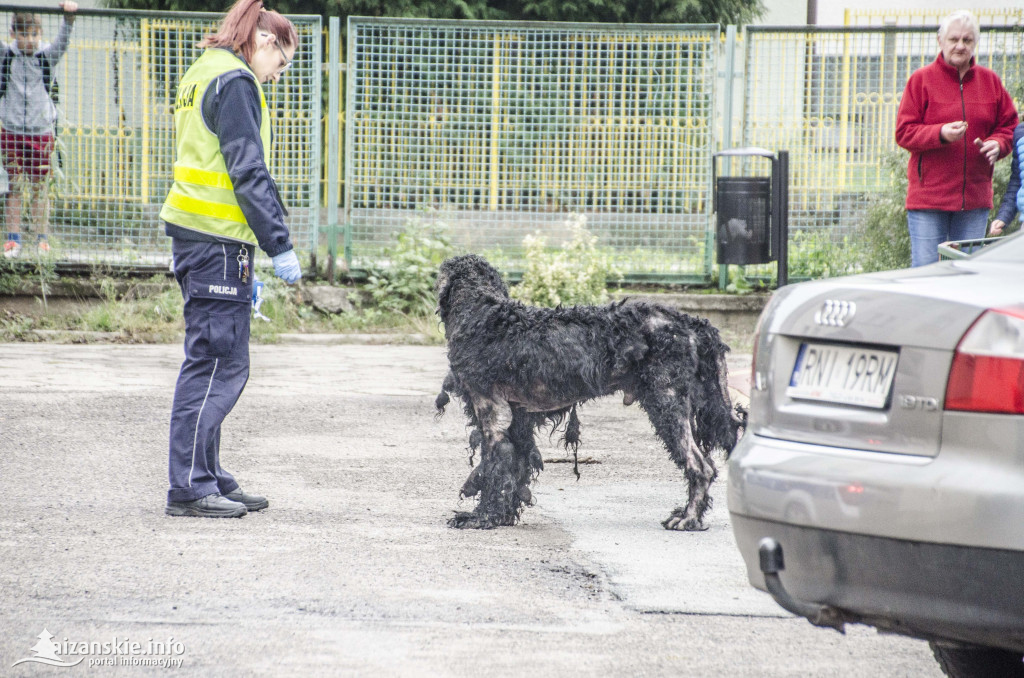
835	313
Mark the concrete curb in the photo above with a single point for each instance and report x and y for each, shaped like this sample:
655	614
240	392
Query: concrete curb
415	339
319	339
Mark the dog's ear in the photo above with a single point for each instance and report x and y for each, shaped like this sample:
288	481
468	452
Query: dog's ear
442	302
495	280
443	287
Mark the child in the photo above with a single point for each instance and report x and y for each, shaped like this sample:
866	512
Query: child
1013	199
29	116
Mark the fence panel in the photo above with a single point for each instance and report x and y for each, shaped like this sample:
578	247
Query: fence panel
115	136
497	129
501	130
902	16
830	96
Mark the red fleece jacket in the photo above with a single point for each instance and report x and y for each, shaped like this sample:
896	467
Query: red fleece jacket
952	176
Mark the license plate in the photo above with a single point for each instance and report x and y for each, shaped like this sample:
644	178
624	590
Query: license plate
847	375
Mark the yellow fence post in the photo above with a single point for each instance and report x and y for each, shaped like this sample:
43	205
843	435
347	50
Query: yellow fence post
146	42
844	114
495	121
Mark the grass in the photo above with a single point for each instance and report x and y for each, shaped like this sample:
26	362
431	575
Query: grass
150	311
157	317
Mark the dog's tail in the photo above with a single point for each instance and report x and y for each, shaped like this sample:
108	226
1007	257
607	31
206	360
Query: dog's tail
717	423
740	418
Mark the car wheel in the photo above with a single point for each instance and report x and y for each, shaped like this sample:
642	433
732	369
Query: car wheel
978	662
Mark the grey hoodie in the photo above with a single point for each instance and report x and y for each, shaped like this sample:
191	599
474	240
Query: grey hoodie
26	107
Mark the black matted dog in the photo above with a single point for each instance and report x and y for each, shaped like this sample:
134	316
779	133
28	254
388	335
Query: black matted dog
518	367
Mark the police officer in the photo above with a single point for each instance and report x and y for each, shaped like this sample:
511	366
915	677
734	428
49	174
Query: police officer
222	204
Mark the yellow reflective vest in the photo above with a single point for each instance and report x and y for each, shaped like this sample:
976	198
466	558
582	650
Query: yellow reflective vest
202	197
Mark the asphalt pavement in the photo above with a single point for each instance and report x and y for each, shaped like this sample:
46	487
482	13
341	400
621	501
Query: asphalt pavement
352	570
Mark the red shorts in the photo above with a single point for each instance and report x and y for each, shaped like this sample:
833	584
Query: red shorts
26	154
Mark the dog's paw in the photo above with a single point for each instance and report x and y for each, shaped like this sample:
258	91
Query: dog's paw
536	460
525	495
674	522
466	520
471	487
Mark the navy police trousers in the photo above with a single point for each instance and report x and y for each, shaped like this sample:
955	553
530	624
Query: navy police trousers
216	366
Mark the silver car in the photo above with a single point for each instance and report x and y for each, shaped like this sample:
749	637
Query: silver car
881	477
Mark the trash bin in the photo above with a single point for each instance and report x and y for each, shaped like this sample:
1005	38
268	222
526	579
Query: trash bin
744	220
753	214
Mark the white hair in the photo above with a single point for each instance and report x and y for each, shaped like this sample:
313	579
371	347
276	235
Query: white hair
960	17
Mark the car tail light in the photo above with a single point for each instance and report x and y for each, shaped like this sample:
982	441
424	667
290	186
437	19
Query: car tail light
987	374
852	493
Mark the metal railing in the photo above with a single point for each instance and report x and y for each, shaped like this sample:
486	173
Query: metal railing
499	130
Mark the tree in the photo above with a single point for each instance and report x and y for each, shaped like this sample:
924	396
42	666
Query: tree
437	9
644	11
725	12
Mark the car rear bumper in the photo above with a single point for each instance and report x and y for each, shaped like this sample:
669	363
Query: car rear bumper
970	494
926	590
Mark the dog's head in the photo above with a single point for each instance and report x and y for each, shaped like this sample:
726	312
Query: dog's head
464	278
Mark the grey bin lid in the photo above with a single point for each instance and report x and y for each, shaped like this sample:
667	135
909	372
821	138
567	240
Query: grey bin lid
749	150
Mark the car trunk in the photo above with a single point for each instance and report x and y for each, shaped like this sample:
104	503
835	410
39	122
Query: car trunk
845	369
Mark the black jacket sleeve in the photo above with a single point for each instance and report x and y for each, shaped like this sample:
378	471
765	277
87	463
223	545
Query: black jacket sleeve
231	108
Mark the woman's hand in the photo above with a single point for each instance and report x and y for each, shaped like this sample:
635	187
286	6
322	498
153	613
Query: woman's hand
989	149
953	131
286	267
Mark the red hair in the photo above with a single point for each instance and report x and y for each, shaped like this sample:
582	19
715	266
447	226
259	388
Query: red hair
238	29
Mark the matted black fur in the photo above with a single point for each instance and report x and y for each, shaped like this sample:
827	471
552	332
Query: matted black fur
518	367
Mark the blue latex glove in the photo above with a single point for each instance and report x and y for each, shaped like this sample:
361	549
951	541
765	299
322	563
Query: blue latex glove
286	266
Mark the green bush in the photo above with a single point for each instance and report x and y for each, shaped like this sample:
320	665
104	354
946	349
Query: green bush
576	273
407	285
885	237
816	254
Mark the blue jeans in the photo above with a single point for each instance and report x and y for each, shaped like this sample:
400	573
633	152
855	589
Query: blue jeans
931	228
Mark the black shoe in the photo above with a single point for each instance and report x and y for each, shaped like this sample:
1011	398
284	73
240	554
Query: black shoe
210	506
253	502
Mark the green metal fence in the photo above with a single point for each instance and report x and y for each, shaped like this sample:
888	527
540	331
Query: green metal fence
498	130
115	147
830	97
502	130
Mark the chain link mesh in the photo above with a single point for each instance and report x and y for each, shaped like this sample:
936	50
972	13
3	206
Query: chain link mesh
501	130
830	97
113	162
496	129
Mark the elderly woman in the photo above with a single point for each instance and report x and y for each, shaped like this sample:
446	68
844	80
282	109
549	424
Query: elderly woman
956	119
